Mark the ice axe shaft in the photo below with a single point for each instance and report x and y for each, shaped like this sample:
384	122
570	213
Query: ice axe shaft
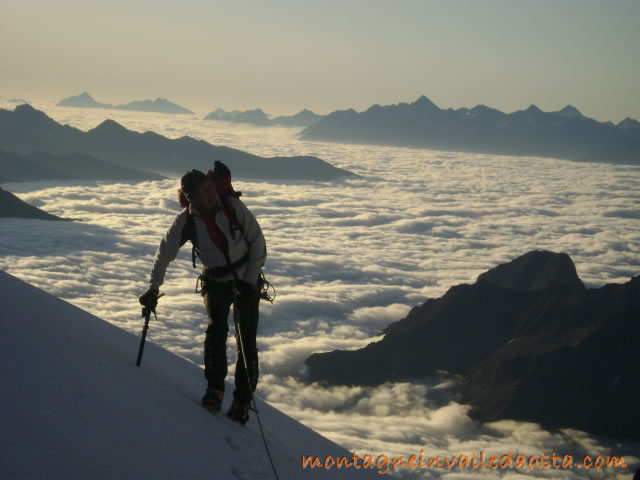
146	313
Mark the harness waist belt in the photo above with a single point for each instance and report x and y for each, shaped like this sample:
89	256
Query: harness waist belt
222	271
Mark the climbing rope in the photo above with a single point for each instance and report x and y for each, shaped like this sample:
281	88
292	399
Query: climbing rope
236	321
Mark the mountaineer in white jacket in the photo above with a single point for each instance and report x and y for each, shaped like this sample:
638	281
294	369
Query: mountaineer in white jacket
231	247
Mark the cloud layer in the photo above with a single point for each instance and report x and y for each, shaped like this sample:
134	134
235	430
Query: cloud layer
346	258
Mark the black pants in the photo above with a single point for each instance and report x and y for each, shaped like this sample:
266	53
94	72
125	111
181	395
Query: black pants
217	301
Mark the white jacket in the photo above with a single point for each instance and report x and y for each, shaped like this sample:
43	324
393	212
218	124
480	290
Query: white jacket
210	255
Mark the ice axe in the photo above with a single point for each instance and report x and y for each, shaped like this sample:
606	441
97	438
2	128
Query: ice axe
146	313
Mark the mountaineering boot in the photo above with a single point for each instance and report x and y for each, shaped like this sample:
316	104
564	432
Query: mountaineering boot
212	399
239	412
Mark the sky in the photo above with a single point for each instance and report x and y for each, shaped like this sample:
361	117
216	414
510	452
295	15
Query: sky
285	55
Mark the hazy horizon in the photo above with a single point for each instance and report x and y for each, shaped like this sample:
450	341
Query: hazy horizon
285	56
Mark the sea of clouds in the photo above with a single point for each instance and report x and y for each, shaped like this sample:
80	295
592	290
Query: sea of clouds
347	258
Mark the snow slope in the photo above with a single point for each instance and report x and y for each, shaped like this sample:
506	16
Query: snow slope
74	405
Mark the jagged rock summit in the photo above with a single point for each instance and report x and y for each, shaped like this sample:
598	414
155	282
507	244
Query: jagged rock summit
534	271
529	341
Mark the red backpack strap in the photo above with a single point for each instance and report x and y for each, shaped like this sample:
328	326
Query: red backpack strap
216	235
221	178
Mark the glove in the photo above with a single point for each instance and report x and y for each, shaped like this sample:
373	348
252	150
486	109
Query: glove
149	299
246	289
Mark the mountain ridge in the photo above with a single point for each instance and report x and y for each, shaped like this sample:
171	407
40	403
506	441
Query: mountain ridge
13	207
26	129
159	105
511	335
259	118
563	134
40	165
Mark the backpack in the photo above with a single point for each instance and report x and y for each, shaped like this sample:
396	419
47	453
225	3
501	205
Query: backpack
221	178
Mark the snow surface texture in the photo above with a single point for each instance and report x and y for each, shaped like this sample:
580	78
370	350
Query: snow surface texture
74	405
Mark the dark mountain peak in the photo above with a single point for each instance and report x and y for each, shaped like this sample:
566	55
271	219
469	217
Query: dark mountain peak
159	101
160	105
27	115
534	271
255	116
25	108
13	206
303	118
570	111
628	124
480	108
423	103
483	112
306	113
82	100
533	109
350	112
110	126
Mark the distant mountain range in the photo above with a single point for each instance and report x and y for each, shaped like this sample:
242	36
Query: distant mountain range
530	342
160	105
12	206
15	100
77	166
257	117
26	129
563	134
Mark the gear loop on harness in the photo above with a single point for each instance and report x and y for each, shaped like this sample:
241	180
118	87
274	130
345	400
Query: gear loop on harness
263	288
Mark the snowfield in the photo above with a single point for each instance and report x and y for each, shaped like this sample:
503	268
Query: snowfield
74	405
